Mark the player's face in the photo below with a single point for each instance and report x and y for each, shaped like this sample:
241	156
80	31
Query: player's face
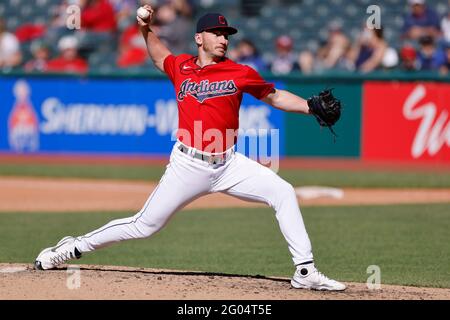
215	42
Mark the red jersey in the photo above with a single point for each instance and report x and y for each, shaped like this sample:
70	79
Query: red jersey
99	16
209	99
60	64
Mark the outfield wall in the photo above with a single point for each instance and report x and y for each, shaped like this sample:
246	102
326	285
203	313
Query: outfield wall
384	117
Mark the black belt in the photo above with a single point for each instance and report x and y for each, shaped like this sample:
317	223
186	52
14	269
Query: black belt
211	159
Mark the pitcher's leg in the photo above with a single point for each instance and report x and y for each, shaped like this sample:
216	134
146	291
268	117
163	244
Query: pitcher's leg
183	181
249	180
171	194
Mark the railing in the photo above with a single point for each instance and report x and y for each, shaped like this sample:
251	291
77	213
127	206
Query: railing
329	76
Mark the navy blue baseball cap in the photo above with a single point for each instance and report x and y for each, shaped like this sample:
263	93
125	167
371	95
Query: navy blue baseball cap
212	21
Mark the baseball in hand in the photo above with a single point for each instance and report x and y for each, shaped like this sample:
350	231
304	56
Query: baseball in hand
143	13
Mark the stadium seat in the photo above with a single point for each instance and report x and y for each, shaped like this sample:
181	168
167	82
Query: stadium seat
102	61
15	3
251	24
295	12
12	23
295	34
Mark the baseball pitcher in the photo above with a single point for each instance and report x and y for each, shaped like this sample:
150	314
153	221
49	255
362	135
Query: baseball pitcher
209	89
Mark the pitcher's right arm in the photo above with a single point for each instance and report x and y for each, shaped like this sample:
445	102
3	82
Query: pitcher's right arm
157	51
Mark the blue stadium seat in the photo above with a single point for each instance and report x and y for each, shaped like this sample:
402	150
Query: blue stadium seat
12	23
309	3
266	34
252	23
322	11
41	3
442	8
15	3
25	13
295	34
99	61
295	12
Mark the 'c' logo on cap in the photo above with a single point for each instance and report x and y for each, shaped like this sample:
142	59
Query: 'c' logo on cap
222	20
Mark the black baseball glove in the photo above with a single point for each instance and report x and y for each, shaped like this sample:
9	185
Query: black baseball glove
326	108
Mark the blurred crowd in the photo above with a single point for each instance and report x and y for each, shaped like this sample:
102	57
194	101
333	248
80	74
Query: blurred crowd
108	27
424	46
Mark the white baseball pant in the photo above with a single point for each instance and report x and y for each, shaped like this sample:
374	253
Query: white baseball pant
187	178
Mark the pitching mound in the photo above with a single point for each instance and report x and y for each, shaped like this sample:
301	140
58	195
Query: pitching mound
20	281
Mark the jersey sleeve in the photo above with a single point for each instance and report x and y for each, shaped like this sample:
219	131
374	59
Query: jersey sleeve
169	66
255	85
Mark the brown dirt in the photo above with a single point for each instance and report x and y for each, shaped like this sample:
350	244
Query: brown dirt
32	194
112	282
285	163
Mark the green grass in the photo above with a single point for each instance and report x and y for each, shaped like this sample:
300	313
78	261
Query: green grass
368	179
410	243
337	178
152	173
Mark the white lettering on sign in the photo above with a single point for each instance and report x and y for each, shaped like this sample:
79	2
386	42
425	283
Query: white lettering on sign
255	117
90	118
131	119
434	129
166	116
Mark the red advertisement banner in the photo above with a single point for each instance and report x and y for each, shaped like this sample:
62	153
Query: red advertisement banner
406	121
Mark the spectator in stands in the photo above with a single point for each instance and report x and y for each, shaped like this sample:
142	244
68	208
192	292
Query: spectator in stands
98	26
132	48
444	67
184	8
125	12
390	59
41	56
429	56
97	16
57	27
285	61
172	25
337	44
10	54
246	53
68	60
368	52
306	62
421	21
445	25
30	31
408	57
330	54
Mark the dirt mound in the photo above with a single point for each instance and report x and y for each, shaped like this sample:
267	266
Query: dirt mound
19	281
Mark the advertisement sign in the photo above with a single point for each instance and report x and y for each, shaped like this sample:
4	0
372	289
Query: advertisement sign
104	116
305	137
406	121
